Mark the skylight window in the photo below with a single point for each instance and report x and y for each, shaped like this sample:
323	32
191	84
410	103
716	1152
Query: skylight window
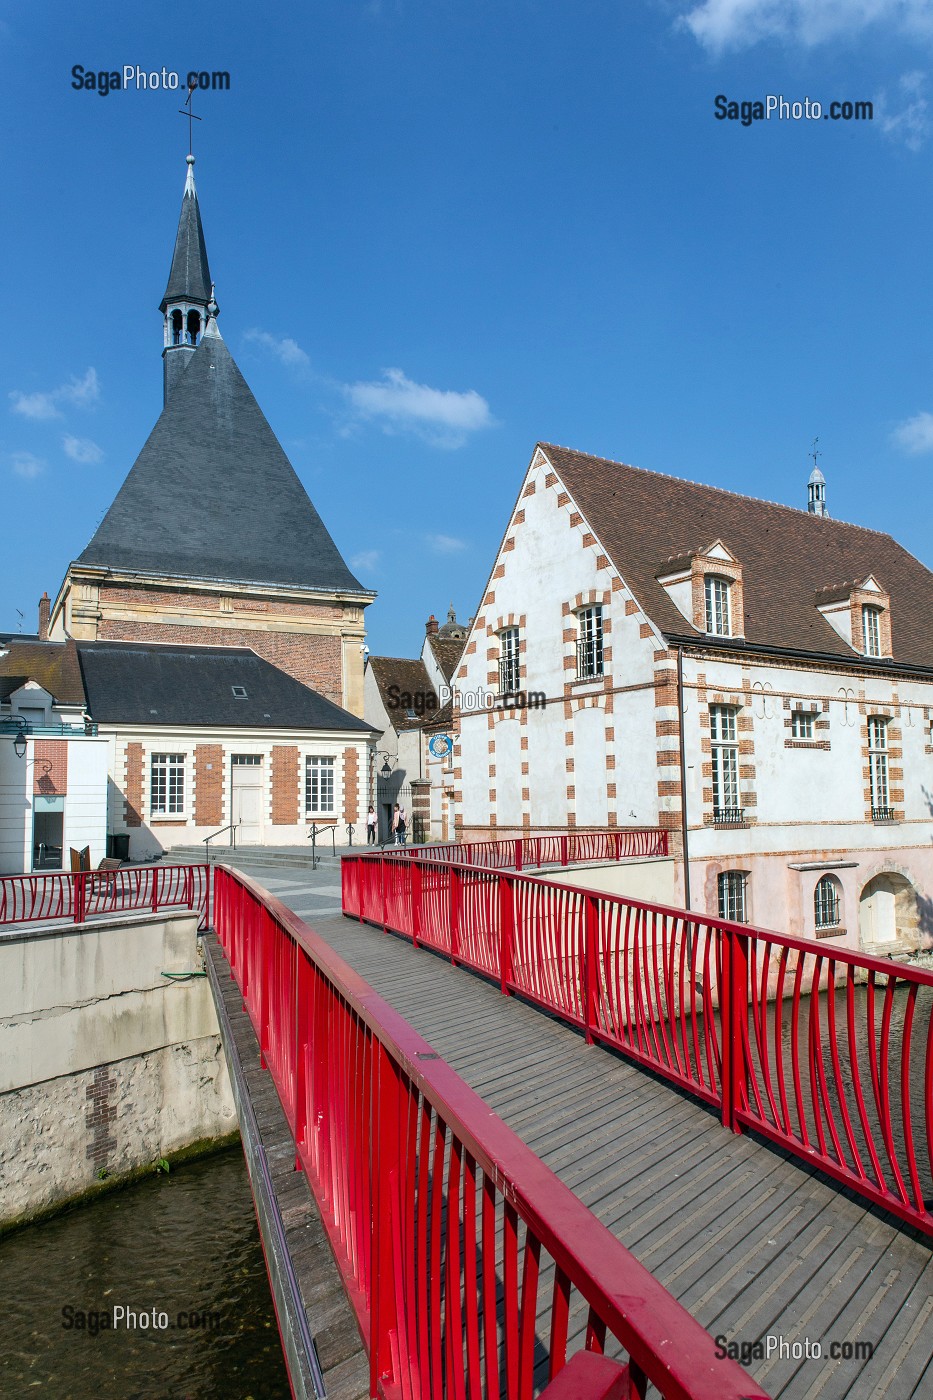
239	692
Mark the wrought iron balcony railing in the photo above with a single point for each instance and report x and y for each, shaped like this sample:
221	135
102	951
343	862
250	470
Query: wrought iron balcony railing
728	816
589	659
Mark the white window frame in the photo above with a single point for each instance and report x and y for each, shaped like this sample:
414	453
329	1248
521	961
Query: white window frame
871	629
827	902
590	659
724	746
801	724
878	763
509	661
732	895
320	767
717	593
167	790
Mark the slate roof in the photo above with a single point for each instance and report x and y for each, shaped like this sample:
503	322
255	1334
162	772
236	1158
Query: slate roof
132	683
189	278
212	494
788	556
53	665
412	679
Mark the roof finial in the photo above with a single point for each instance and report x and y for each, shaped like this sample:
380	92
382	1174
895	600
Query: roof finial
816	486
191	118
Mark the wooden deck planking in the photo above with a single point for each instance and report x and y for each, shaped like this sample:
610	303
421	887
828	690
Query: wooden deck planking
696	1204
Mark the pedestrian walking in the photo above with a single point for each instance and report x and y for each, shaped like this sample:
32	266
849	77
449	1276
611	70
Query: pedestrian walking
399	824
371	823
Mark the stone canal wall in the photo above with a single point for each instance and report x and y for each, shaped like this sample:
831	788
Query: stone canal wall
106	1064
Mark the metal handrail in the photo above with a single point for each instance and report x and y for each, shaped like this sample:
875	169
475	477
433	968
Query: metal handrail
313	835
231	827
416	1180
716	1007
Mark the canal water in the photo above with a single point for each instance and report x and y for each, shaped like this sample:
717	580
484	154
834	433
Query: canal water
181	1249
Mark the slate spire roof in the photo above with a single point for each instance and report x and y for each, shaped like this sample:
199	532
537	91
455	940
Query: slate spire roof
212	494
190	276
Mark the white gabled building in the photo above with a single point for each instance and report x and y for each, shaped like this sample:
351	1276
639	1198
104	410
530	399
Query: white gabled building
53	765
757	679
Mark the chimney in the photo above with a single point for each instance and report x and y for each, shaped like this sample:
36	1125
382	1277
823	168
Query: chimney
45	604
430	627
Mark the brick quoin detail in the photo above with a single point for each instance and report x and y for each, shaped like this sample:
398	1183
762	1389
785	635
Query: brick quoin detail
351	786
208	785
133	786
98	1117
314	660
285	785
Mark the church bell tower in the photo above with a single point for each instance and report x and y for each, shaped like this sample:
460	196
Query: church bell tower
189	297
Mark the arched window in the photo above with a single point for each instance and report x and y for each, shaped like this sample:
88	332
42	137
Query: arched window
178	326
827	902
194	327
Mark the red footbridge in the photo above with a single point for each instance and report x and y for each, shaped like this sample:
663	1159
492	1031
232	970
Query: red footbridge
733	1195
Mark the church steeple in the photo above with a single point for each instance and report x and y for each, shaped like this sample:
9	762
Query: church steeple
189	296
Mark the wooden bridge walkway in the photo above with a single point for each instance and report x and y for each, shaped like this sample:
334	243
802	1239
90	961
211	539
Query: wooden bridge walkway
751	1242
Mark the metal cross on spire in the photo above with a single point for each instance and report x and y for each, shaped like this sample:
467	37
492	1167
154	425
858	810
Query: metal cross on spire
813	450
189	113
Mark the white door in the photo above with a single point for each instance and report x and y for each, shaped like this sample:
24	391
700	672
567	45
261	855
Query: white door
248	795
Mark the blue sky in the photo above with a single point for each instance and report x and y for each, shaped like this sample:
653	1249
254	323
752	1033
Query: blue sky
443	231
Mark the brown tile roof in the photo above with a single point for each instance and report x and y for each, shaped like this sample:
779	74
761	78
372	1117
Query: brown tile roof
411	678
53	665
644	519
447	653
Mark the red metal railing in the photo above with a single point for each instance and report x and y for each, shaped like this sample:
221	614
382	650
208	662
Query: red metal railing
827	1052
31	898
551	848
473	1271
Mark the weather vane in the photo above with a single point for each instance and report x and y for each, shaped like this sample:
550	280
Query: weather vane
813	450
187	111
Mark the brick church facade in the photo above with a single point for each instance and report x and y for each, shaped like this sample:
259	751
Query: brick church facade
212	542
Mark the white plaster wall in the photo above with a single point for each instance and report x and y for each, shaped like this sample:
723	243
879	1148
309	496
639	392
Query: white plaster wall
15	810
86	799
548	567
652	881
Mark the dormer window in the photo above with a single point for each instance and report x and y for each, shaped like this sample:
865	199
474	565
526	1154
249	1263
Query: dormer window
718	617
871	629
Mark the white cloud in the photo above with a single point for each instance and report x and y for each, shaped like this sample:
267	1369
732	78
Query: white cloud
366	560
288	351
739	24
443	417
911	124
445	544
79	393
81	450
27	465
915	435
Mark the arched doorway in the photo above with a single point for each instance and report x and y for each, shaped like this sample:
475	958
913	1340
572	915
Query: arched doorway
888	911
